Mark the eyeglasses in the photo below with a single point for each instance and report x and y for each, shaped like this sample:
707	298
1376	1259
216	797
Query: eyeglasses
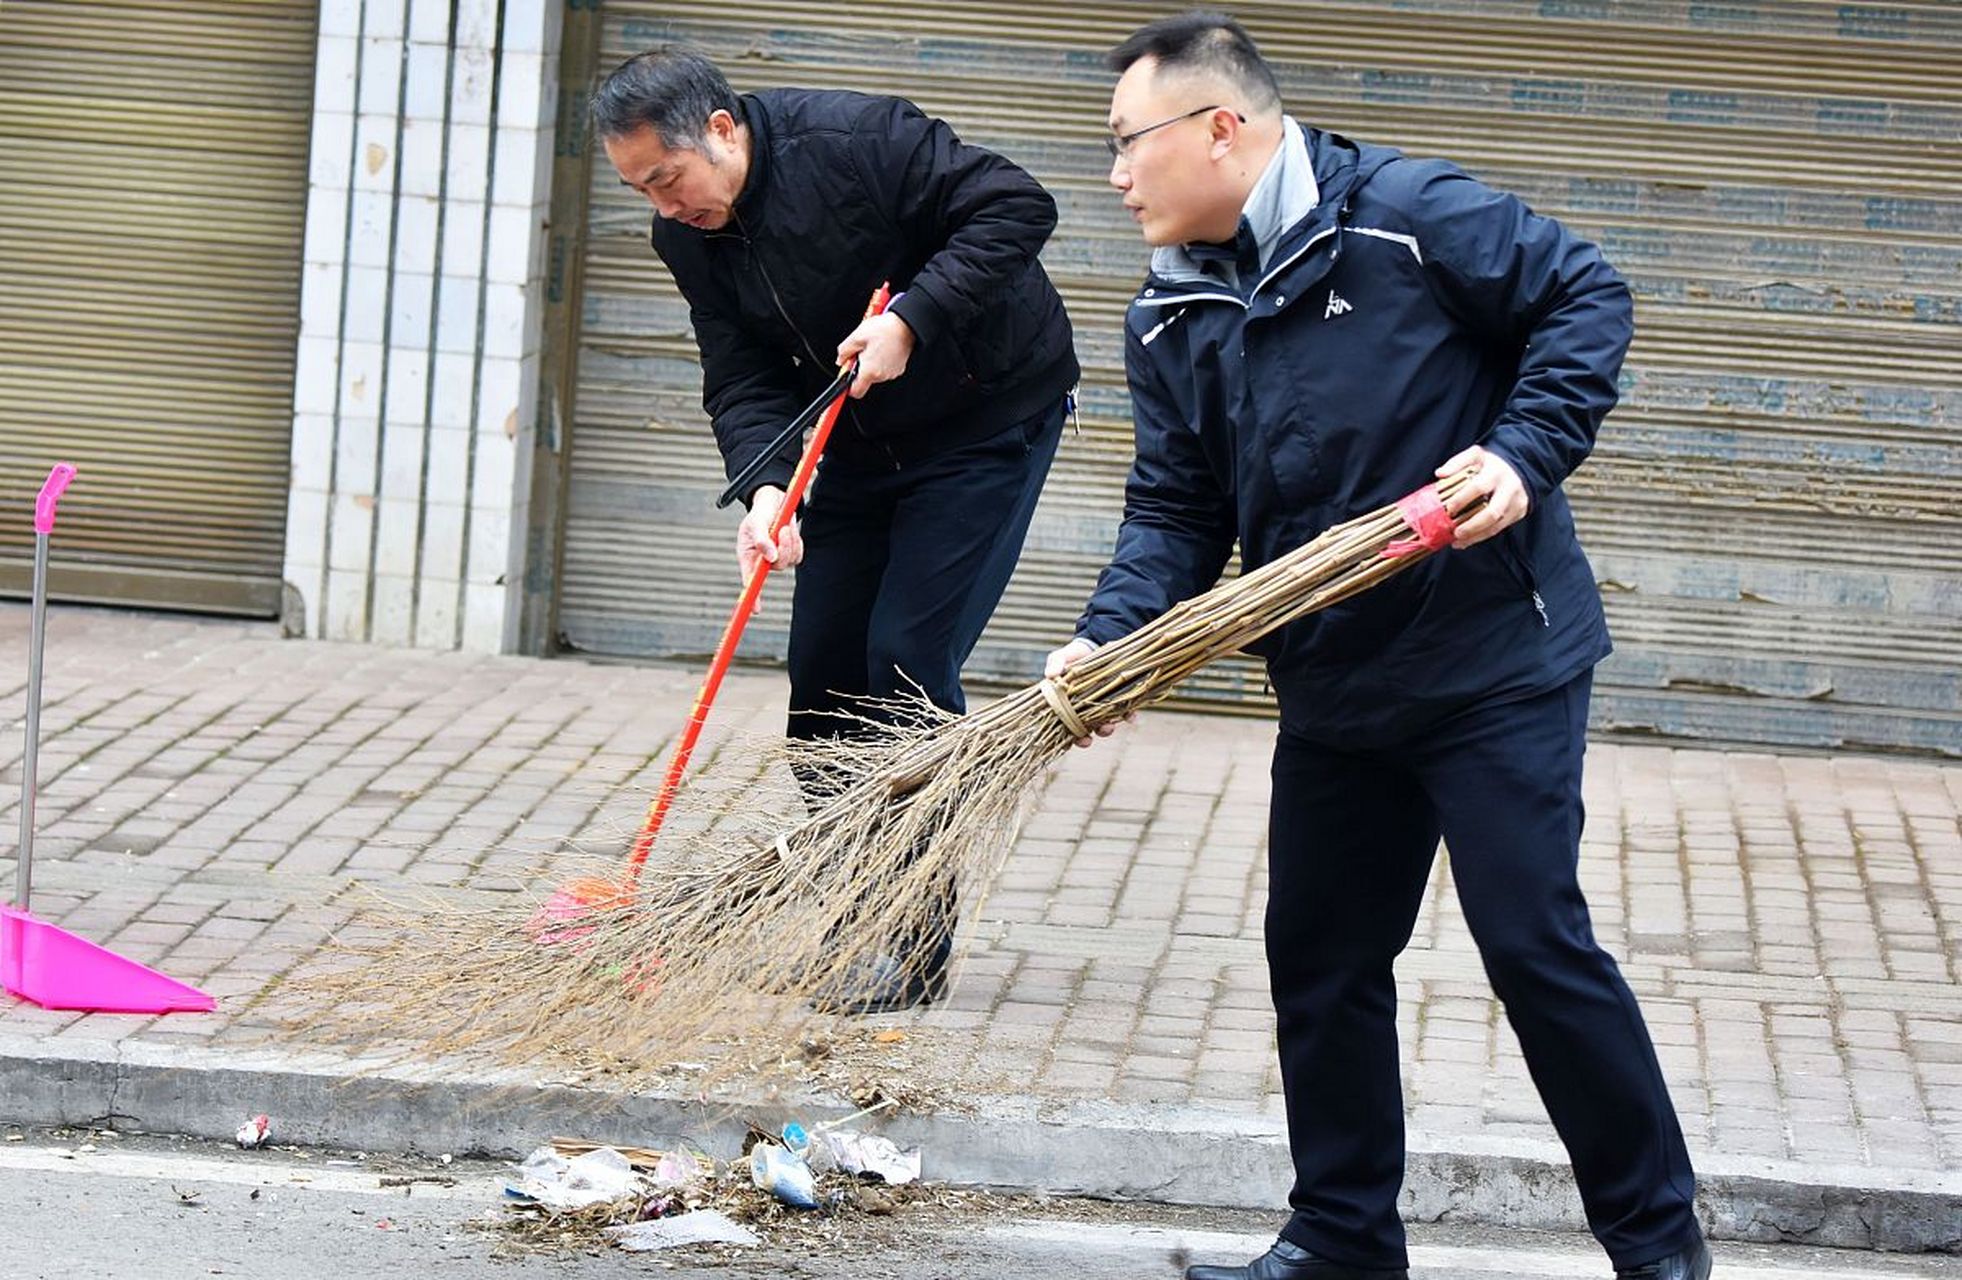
1120	144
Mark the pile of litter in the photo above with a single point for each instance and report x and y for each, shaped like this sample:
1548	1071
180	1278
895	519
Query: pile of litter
797	1182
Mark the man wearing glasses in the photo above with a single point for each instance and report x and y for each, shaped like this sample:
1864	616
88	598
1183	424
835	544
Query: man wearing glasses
778	213
1325	327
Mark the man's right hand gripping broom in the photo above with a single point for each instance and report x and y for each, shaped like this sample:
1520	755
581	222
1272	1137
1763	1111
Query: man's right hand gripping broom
753	542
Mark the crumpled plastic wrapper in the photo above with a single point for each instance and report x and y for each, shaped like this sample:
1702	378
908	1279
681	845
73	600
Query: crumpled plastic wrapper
698	1226
547	1178
869	1153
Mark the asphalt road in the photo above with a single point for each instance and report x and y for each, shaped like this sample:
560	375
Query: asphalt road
159	1209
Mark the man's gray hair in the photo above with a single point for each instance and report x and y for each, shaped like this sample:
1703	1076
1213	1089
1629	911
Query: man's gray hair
1207	41
671	91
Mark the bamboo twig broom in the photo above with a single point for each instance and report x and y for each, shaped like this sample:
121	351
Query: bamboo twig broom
740	924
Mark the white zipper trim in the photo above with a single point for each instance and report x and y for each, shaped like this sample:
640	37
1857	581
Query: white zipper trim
1160	327
1313	240
1407	241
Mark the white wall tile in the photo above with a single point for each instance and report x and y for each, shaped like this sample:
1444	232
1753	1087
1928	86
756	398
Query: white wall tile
395	543
500	383
524	167
326	234
316	372
505	318
469	162
442	546
449	466
454	378
408	383
340	17
476	25
421	172
345	615
491	474
306	536
381	75
527	25
385	18
415	235
374	151
490	544
520	89
483	618
327	155
361	366
521	423
366	304
471	74
368	236
320	297
312	454
463	237
408	308
355	447
436	613
350	518
426	95
401	476
514	231
393	622
333	73
429	21
456	314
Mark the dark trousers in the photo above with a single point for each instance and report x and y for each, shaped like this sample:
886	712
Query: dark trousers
1351	841
902	569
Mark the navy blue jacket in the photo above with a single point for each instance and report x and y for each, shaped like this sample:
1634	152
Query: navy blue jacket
1412	313
844	191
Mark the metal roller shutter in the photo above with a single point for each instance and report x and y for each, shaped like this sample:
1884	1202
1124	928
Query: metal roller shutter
153	184
1773	512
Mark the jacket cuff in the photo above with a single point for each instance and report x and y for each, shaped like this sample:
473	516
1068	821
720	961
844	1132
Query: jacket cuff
921	314
777	474
1500	444
1100	629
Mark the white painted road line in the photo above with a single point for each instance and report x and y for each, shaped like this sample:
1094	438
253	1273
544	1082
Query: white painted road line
299	1175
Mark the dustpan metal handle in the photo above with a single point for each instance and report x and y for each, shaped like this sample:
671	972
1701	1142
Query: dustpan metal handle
44	518
24	866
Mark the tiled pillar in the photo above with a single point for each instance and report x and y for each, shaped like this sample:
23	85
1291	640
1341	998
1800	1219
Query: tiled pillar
417	378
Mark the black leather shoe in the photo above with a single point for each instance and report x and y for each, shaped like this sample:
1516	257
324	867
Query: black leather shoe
1692	1263
1286	1261
885	985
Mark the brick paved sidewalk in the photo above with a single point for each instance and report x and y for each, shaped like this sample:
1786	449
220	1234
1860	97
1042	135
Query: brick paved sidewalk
1793	925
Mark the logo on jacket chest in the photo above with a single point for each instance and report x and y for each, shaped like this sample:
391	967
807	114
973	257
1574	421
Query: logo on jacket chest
1337	306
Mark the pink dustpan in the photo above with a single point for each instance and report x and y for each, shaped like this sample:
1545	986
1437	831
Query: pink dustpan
60	970
39	961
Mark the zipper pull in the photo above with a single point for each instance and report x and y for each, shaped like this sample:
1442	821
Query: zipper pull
1540	605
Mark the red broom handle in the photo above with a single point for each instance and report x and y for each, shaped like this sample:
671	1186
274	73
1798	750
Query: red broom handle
732	634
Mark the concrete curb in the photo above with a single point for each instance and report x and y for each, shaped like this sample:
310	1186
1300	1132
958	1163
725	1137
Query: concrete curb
1173	1155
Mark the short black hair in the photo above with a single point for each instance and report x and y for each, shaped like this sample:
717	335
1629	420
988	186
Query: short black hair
671	91
1203	40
